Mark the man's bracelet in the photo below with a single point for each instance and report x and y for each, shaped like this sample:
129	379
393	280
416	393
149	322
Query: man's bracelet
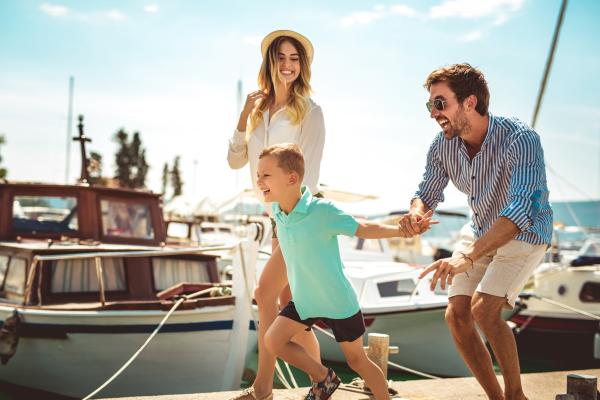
466	257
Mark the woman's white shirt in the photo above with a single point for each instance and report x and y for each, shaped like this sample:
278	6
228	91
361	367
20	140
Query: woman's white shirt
308	135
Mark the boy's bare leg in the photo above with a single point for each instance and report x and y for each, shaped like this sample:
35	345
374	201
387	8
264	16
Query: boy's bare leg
278	340
306	339
471	346
487	311
367	369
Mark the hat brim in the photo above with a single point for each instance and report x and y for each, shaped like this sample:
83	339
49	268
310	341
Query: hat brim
308	47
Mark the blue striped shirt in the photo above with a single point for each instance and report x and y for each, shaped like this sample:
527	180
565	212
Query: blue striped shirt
506	178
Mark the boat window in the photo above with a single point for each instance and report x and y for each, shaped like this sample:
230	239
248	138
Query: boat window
79	276
126	219
15	279
402	287
178	230
3	267
590	292
172	271
45	214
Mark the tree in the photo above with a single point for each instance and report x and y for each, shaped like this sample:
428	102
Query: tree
176	180
130	159
3	171
122	159
165	178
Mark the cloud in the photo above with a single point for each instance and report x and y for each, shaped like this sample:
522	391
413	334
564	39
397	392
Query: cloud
378	12
476	9
116	15
151	8
54	10
471	36
401	9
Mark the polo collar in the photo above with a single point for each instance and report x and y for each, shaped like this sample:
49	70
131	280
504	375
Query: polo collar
302	204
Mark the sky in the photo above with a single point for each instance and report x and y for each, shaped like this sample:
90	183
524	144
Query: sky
170	70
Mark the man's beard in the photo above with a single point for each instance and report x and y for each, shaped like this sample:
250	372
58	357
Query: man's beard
460	126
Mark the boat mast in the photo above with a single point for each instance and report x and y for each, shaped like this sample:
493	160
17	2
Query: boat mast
540	96
69	123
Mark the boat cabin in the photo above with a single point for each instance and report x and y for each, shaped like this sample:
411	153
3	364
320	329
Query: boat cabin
64	220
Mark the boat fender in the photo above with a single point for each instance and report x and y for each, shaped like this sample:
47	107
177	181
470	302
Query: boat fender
9	337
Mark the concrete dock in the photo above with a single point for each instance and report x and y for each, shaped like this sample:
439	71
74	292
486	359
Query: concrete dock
538	386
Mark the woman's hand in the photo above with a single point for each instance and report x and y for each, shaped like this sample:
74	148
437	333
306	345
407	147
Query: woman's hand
252	101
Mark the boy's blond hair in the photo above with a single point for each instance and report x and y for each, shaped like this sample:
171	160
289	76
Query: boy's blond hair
289	157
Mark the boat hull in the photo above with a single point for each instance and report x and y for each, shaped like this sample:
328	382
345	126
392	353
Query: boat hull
422	336
73	353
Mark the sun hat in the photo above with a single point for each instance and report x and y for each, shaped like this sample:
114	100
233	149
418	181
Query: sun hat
308	47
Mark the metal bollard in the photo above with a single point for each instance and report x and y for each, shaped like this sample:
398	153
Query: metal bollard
582	387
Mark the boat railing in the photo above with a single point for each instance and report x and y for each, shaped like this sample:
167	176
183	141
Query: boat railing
98	256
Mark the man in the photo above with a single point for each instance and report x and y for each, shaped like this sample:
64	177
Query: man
499	164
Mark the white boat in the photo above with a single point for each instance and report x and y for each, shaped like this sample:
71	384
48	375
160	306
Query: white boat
562	303
80	293
395	302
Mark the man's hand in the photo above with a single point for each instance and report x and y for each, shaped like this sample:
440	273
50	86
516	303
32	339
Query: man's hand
445	270
415	222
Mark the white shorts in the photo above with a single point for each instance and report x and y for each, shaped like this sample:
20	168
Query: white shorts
502	273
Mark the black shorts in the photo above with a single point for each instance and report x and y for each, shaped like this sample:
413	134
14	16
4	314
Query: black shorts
345	330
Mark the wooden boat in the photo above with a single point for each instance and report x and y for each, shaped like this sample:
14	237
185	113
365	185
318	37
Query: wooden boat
85	278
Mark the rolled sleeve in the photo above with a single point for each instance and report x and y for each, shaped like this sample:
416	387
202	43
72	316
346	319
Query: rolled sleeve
527	182
237	154
435	178
312	143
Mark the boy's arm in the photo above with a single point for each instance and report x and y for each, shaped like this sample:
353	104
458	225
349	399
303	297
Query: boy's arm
376	230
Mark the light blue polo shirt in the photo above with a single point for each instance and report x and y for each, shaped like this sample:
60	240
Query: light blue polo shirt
308	240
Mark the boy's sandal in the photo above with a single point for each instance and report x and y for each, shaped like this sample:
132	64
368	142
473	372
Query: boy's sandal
249	394
327	386
311	392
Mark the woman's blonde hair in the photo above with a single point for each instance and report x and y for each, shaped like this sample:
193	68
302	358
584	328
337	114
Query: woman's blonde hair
298	103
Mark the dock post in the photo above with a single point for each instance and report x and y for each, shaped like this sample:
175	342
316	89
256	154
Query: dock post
378	349
582	387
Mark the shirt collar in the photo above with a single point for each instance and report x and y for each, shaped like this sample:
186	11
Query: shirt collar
490	131
302	204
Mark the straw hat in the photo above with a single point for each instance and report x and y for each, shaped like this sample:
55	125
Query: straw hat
308	47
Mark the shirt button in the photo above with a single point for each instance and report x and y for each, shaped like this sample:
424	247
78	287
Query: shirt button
477	214
473	177
472	198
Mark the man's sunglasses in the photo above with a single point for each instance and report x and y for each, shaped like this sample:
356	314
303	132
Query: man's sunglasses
438	104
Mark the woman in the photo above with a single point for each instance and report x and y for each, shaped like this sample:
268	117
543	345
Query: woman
281	111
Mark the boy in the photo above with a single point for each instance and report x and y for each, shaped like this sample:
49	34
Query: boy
307	229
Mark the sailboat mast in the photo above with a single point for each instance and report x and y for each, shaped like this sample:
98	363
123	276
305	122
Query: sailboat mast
540	96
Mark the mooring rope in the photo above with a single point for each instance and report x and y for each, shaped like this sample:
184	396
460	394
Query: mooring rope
160	325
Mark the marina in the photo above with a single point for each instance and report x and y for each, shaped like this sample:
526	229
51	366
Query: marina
134	277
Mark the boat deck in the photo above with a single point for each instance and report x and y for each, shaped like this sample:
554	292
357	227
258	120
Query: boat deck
538	386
